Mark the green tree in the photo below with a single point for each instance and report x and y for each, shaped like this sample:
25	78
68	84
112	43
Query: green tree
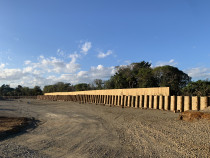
49	88
169	76
145	78
82	87
63	87
98	84
6	90
198	88
37	91
58	87
26	91
132	76
18	90
124	77
137	66
110	84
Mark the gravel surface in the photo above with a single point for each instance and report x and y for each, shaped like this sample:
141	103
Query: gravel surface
69	130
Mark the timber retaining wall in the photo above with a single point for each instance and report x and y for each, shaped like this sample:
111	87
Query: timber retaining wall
128	91
162	102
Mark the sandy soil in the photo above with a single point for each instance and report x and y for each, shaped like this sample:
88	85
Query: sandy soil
68	129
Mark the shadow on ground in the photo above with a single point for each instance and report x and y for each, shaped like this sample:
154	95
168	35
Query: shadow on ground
13	126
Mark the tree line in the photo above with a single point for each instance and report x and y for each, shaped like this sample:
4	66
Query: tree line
6	90
142	75
135	75
97	84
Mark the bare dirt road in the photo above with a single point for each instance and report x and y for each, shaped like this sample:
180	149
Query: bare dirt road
69	130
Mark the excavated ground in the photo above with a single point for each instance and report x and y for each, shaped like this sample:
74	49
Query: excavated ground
68	129
9	126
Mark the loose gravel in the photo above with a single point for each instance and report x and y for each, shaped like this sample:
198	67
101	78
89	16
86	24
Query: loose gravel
69	129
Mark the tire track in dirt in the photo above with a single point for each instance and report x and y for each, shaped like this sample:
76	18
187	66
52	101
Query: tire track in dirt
69	129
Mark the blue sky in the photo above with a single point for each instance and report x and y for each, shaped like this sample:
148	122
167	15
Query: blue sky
46	41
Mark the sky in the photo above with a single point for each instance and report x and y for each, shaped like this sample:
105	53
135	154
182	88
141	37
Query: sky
76	41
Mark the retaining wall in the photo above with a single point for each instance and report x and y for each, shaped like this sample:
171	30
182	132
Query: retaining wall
131	91
162	102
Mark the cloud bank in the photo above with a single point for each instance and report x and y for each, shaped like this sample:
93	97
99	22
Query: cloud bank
199	73
64	67
49	70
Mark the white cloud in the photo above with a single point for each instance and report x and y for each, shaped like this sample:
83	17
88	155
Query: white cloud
41	57
103	55
74	56
2	66
101	72
86	47
55	65
199	73
27	69
36	73
27	62
170	62
100	67
11	74
49	70
82	74
98	72
61	53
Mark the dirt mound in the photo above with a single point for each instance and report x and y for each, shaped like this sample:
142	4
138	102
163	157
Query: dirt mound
194	115
12	125
206	109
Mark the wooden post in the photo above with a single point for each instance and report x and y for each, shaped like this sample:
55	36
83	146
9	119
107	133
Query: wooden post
123	100
151	101
137	101
113	100
119	100
133	98
116	100
105	99
146	101
187	103
141	101
167	103
161	102
204	103
180	105
195	103
173	103
156	102
129	101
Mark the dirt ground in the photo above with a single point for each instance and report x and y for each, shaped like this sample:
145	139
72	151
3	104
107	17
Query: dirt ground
14	125
69	130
